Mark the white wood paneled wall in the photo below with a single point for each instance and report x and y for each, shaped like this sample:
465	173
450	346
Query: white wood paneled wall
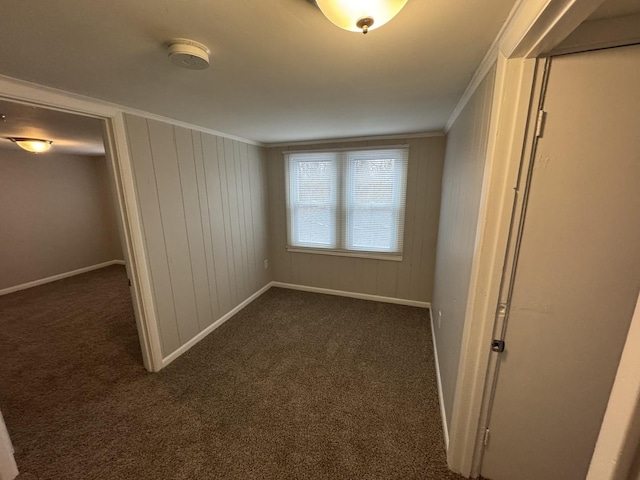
203	204
461	191
410	279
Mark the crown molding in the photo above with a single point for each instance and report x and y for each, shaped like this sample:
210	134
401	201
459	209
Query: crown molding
373	138
13	89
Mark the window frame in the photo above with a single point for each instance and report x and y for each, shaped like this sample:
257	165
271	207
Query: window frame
342	241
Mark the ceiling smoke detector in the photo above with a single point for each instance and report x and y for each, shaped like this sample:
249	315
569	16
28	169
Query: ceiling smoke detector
187	53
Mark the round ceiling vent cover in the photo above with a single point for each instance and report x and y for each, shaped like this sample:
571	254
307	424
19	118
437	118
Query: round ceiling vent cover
187	53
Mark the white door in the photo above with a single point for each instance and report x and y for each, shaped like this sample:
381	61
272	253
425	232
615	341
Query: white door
578	272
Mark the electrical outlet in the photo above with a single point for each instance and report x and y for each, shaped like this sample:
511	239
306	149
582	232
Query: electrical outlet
439	318
266	264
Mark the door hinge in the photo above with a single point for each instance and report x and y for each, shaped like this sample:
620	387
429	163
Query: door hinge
542	117
497	345
129	280
486	437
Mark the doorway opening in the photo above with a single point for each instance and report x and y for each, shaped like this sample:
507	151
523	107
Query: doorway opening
68	317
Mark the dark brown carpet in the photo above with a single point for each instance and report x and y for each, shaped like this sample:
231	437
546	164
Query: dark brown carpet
295	386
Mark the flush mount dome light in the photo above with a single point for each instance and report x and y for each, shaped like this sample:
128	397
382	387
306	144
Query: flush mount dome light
360	15
33	145
187	53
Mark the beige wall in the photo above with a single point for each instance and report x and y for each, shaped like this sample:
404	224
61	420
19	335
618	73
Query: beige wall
56	215
203	207
461	191
412	278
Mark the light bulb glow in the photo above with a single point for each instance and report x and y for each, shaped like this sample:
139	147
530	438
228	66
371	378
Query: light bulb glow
346	13
33	145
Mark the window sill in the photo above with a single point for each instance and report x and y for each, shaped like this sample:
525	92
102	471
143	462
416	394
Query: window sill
342	253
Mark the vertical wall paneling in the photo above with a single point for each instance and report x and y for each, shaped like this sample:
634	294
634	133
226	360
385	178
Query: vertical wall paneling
404	269
262	210
410	279
248	223
244	205
205	218
418	281
163	152
432	209
202	208
218	223
461	193
237	164
226	216
232	186
259	237
193	220
145	177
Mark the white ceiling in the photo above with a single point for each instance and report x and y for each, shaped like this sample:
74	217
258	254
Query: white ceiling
280	70
71	134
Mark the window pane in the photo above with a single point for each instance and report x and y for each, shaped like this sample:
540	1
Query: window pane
314	225
312	200
373	181
314	182
373	228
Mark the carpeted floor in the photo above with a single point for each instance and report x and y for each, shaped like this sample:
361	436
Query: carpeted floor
296	386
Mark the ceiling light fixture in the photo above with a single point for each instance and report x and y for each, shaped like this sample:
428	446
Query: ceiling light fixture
33	145
360	15
189	54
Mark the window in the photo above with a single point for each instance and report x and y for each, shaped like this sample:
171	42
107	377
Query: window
347	202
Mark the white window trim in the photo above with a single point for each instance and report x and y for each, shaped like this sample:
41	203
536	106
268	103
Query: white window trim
346	253
341	218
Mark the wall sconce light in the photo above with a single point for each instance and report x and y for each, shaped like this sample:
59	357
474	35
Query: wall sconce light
360	15
33	145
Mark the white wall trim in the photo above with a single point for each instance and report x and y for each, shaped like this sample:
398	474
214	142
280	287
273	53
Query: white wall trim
443	414
113	107
540	25
60	276
8	467
170	358
373	138
620	431
361	296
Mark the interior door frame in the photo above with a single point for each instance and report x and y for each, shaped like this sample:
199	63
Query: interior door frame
521	189
121	170
620	431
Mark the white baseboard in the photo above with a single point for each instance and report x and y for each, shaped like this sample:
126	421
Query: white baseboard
60	276
445	427
361	296
171	357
